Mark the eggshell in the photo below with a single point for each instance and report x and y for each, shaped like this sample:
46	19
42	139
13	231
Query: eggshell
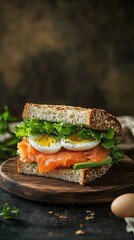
123	206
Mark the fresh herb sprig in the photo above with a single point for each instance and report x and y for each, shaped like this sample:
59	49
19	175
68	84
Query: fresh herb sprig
7	145
8	213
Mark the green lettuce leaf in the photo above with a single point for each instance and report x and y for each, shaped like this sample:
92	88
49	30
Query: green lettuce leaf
35	126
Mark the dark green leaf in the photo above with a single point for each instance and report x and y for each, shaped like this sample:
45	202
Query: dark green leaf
8	213
7	147
6	116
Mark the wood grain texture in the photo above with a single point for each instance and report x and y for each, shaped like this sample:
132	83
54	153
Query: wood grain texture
117	180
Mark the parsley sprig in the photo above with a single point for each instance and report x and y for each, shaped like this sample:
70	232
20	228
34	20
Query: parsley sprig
8	213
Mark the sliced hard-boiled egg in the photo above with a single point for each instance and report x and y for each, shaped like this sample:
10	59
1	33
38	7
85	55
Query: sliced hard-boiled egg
45	143
75	143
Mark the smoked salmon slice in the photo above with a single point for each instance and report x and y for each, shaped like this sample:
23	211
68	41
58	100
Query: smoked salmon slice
63	158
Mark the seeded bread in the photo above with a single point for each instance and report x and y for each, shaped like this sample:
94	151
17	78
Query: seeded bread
94	118
81	176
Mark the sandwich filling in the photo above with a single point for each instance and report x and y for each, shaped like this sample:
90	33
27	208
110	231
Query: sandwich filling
55	145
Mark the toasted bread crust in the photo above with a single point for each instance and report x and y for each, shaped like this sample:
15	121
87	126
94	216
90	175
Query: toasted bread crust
81	176
94	118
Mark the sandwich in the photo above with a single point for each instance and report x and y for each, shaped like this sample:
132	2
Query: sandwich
70	143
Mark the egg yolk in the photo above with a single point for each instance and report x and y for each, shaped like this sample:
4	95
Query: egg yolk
75	139
45	140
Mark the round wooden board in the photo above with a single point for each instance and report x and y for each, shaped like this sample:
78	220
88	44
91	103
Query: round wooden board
115	182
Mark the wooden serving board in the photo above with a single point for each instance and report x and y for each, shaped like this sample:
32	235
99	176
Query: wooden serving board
116	181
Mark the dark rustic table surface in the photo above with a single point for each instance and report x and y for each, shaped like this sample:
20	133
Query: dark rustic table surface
48	221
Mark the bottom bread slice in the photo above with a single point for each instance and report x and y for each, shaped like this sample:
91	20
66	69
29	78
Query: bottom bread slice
81	176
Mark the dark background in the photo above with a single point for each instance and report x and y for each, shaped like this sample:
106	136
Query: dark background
67	52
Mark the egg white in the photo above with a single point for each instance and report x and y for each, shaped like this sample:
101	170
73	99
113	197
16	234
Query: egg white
78	146
43	148
48	144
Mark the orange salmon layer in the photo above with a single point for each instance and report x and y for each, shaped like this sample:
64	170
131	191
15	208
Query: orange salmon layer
63	158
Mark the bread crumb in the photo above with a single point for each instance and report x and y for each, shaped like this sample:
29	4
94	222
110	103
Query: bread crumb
82	225
63	216
91	212
80	232
89	217
50	212
60	216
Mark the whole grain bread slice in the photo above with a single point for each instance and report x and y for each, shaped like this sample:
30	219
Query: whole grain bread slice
92	117
81	176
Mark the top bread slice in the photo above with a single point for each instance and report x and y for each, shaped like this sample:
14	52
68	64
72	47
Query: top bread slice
94	118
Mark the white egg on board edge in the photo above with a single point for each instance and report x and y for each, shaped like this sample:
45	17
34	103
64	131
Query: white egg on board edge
45	143
123	206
